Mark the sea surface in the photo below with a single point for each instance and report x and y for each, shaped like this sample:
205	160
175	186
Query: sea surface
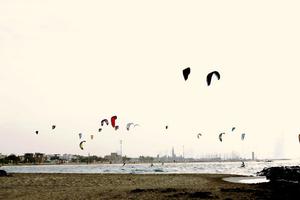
251	168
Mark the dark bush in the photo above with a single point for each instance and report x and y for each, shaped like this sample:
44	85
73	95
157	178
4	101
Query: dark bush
3	173
281	173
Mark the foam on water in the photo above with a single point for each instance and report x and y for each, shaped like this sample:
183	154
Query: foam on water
185	168
247	180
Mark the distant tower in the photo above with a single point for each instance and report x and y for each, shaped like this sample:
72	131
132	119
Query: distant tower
173	153
121	147
253	156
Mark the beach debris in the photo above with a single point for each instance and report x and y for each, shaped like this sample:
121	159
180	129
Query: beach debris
80	135
201	195
243	136
113	121
81	144
220	136
186	72
104	121
210	75
53	127
198	136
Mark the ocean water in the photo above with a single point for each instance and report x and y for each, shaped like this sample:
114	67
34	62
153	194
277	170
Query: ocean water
168	168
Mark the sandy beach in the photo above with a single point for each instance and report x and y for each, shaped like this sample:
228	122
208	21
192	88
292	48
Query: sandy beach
130	186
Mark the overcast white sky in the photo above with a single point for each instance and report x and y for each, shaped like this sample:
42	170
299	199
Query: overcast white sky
72	63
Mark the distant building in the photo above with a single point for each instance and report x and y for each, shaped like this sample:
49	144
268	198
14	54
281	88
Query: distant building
67	157
2	156
39	157
22	158
29	158
52	158
146	159
253	157
113	157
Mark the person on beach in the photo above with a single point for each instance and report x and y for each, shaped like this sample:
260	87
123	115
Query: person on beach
124	164
151	165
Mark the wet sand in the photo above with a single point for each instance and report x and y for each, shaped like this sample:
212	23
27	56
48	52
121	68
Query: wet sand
130	186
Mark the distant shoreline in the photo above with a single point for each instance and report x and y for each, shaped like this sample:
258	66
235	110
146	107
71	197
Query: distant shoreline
137	163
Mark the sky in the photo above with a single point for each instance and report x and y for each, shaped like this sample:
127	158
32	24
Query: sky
73	63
